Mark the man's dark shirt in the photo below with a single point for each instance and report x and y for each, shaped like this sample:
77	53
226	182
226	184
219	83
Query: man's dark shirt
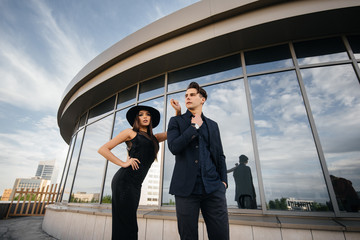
208	179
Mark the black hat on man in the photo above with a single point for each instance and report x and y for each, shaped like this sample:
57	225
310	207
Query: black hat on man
243	158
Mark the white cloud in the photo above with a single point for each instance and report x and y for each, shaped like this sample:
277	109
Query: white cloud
22	150
36	80
69	50
263	124
24	83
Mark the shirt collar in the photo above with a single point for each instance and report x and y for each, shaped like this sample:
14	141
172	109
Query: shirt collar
188	114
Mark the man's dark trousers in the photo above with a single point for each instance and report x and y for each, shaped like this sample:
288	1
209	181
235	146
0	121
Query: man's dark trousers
215	214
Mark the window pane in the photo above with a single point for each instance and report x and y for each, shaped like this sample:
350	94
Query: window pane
224	68
231	114
292	176
355	45
66	166
120	151
82	120
169	159
102	109
226	104
89	174
318	51
73	163
150	190
334	95
268	59
151	185
151	88
126	97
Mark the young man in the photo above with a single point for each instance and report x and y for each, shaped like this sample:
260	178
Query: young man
199	179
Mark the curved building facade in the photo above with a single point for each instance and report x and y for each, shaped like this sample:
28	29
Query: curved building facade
283	84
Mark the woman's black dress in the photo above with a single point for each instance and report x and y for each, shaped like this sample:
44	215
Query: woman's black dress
126	187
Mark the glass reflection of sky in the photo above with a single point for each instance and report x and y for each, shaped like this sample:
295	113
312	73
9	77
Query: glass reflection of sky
151	88
355	45
227	106
101	110
120	150
91	165
288	157
67	162
152	179
318	51
126	97
169	158
334	95
268	59
73	162
225	68
157	103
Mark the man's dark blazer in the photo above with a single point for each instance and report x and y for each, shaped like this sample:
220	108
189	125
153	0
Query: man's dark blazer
183	143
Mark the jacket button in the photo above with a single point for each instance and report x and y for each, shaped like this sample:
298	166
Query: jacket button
196	161
196	146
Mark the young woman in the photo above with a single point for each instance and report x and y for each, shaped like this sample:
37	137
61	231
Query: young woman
142	147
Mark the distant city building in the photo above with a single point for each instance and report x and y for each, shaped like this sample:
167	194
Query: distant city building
84	197
6	194
47	170
29	183
150	188
299	205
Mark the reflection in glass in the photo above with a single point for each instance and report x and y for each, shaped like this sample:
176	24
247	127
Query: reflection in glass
322	50
245	194
169	158
120	151
334	95
126	97
73	163
292	176
151	88
224	68
226	104
151	185
102	109
66	168
268	59
355	45
89	174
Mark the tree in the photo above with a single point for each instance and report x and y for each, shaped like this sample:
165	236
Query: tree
107	199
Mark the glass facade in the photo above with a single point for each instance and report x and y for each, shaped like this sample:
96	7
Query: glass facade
292	109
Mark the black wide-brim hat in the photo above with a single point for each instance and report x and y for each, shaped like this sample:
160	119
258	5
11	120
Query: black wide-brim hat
132	112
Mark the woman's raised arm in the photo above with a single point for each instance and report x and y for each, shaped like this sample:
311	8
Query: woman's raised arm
175	104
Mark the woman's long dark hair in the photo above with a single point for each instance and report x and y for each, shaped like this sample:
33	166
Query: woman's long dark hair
150	135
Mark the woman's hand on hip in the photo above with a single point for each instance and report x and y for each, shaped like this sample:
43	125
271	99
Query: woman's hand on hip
133	162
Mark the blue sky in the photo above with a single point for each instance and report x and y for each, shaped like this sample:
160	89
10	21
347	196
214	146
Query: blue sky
43	45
